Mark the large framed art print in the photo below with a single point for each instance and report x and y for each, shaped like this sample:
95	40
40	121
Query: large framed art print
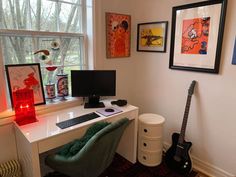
118	34
196	36
25	76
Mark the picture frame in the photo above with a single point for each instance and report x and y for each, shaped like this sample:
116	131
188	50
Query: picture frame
21	76
118	35
152	36
234	53
196	36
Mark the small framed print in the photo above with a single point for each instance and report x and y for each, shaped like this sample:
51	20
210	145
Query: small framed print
152	36
118	27
196	36
25	76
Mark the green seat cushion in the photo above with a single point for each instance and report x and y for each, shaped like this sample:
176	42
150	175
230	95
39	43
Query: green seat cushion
75	146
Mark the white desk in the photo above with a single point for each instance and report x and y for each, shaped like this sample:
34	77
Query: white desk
44	135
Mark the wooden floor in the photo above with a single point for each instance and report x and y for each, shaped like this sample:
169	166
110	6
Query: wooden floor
120	167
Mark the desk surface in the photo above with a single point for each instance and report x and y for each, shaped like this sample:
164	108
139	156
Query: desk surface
46	127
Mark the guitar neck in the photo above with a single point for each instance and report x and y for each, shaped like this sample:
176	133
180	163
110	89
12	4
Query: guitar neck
185	119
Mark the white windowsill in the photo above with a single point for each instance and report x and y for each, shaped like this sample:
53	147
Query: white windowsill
8	115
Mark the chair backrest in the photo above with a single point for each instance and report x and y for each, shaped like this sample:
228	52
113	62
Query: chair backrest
95	156
100	149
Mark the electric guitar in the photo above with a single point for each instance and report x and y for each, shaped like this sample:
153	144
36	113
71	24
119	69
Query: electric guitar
177	156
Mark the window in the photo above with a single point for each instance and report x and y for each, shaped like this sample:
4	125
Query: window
49	32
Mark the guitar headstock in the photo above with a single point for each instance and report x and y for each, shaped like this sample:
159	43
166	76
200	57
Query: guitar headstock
191	88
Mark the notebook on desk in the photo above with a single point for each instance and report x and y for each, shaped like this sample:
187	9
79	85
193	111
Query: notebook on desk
108	111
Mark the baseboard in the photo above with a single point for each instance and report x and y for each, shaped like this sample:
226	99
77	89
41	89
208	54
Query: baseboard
204	167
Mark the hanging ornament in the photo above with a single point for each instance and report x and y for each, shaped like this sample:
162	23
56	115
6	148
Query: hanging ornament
45	52
43	55
51	68
55	45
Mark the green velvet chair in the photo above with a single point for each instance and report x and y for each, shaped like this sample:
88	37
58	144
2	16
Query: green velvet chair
95	156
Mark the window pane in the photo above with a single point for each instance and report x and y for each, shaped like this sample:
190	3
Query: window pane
70	18
42	15
28	37
89	3
53	53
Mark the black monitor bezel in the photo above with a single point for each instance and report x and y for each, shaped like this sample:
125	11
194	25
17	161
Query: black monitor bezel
93	99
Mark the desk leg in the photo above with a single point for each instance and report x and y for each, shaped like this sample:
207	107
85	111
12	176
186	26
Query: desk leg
128	143
28	156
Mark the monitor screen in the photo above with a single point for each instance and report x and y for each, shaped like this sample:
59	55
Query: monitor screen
86	83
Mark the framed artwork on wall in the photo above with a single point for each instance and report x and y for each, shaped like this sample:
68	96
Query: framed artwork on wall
25	76
196	36
152	37
234	53
117	35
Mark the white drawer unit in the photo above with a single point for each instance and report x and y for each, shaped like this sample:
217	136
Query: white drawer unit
150	142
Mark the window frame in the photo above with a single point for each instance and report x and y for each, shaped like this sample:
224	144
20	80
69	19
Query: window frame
85	49
29	33
87	54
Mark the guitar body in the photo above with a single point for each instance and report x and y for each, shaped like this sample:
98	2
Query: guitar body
181	161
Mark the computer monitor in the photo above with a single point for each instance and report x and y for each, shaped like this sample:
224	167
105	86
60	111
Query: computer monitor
93	84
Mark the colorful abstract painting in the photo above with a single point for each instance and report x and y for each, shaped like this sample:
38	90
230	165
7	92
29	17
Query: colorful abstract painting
152	37
118	35
25	76
195	34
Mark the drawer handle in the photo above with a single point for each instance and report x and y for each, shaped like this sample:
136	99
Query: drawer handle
145	130
144	144
144	157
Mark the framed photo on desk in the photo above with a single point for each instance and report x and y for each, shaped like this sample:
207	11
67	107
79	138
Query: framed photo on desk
22	76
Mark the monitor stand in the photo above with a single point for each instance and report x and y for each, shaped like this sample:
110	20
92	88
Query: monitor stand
93	102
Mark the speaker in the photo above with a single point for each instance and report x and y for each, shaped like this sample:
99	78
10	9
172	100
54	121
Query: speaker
119	102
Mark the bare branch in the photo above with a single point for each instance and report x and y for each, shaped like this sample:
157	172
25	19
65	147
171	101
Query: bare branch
38	15
72	13
18	14
13	14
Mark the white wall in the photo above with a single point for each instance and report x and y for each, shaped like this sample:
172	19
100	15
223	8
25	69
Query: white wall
146	81
125	66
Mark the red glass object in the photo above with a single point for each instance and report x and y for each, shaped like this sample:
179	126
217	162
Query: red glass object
24	106
51	68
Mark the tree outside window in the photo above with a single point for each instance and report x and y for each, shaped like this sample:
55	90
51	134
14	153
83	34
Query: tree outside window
28	28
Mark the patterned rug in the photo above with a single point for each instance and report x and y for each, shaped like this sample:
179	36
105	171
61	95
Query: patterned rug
120	167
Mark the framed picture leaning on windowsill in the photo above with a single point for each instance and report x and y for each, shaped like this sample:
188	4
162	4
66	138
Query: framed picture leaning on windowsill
152	36
196	36
25	76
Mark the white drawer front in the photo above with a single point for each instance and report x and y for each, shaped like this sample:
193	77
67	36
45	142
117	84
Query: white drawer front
150	158
150	131
150	144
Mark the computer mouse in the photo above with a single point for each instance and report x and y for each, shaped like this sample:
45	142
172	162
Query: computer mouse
109	110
